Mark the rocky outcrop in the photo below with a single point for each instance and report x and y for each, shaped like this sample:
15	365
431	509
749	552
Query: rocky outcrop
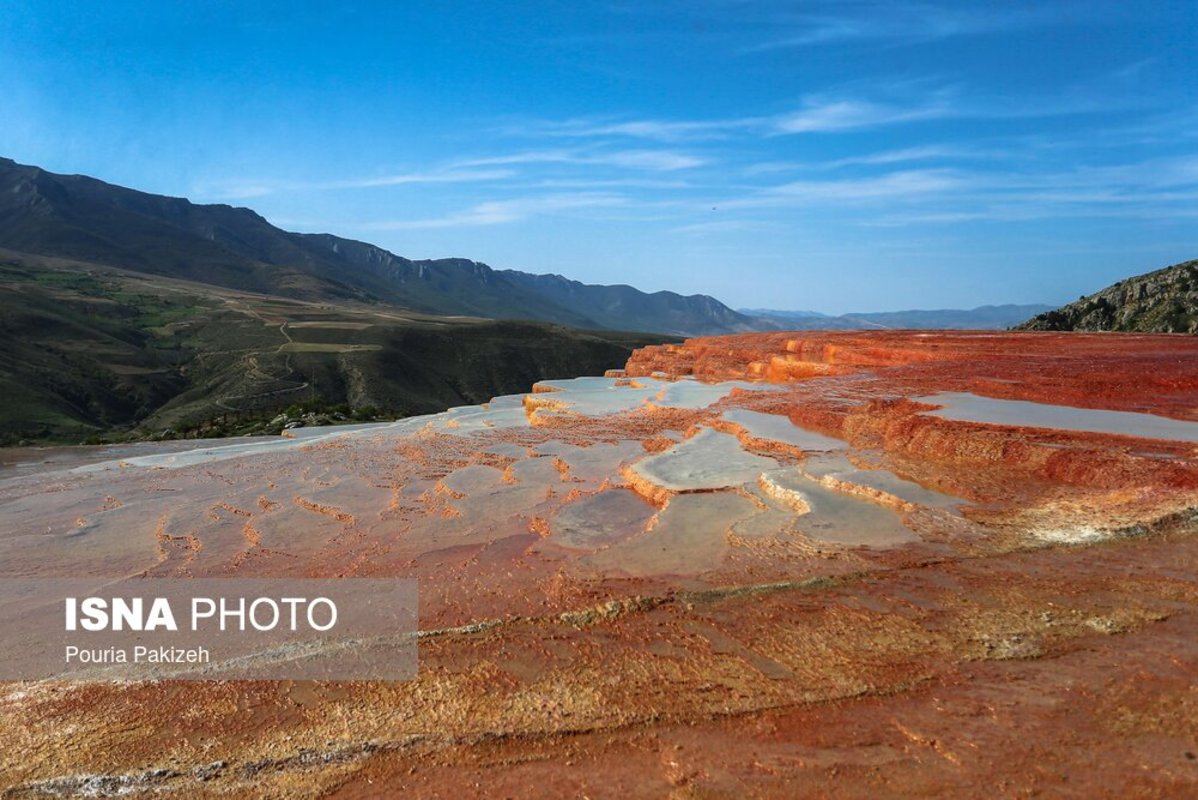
1165	301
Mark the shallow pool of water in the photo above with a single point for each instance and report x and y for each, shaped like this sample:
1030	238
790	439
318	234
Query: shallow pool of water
839	468
778	428
969	407
834	517
708	460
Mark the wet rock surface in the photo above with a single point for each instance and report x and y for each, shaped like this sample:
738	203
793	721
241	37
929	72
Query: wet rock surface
756	565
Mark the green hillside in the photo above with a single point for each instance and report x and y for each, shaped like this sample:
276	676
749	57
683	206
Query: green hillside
92	351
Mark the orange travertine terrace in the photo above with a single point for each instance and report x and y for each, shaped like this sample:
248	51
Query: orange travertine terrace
767	565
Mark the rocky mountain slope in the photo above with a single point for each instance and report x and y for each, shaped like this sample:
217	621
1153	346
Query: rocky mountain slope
1164	301
74	216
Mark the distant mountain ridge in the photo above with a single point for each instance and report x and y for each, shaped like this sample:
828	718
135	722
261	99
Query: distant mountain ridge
1164	301
774	313
998	317
78	217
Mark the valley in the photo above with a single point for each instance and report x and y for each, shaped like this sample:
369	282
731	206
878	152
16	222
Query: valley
99	353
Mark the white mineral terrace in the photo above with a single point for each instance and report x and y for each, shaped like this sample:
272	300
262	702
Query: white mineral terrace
469	476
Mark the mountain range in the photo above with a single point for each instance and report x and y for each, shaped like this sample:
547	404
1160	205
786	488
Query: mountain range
81	218
980	318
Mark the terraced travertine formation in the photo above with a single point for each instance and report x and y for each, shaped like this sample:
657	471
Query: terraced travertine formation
769	565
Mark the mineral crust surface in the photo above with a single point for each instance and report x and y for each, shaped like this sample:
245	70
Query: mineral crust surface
767	565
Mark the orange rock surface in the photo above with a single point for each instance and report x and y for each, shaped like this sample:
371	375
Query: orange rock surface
767	565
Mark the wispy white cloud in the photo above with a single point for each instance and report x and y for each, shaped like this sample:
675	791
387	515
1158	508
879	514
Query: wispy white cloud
245	189
820	115
723	226
900	185
1164	187
612	183
640	159
652	160
475	170
1026	211
911	23
498	212
1152	189
854	107
933	152
663	130
445	176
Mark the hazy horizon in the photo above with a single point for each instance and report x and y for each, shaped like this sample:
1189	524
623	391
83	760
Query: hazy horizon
838	157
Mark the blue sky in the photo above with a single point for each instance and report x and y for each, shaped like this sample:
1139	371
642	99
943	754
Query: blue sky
833	156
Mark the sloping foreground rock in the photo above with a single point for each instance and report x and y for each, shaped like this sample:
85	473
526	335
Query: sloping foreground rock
764	565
